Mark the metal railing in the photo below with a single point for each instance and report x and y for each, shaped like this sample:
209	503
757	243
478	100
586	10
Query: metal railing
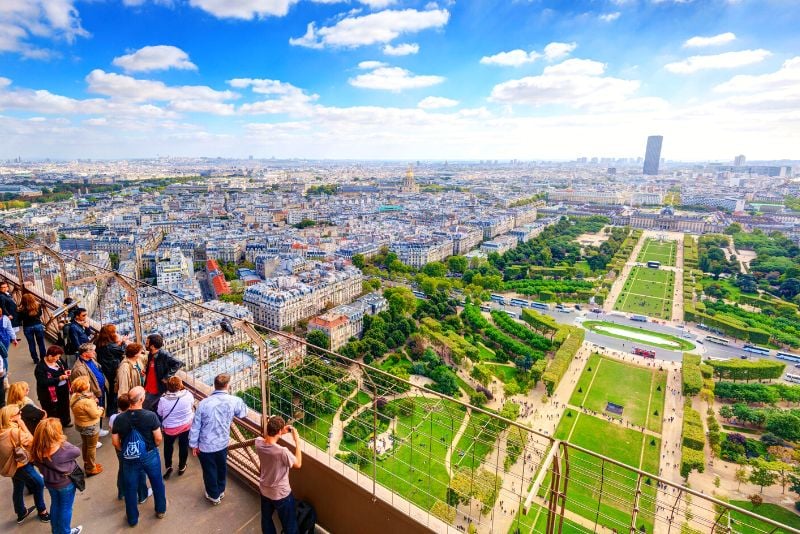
447	464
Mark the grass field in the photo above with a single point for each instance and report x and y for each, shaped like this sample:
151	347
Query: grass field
639	335
772	511
606	491
415	468
647	292
656	250
535	521
630	386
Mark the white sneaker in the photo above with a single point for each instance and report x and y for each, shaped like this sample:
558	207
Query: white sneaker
99	444
76	530
103	432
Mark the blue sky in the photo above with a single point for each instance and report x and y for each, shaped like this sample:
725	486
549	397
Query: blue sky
378	79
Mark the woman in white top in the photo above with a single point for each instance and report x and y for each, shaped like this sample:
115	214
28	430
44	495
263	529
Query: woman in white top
176	411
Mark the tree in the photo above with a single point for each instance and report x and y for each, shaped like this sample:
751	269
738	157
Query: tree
762	476
401	300
733	228
358	260
726	412
436	269
756	500
741	476
790	288
794	480
457	264
318	338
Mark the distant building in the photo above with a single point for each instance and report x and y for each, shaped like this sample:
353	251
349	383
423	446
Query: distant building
409	185
346	321
216	278
652	155
418	252
173	269
282	301
499	244
739	160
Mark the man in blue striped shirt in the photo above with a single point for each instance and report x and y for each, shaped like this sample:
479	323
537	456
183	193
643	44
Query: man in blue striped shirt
210	434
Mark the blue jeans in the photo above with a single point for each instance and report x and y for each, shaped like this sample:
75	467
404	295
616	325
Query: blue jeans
286	512
141	491
215	471
150	465
28	477
35	335
61	508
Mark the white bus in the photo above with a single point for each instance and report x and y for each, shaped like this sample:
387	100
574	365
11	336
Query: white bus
792	378
717	340
794	358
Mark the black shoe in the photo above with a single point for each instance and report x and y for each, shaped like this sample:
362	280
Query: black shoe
68	425
181	470
23	517
167	473
44	517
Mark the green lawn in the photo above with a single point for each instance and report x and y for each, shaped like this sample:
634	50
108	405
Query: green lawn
415	468
670	342
535	521
624	384
647	292
771	511
503	372
658	392
606	491
656	250
316	432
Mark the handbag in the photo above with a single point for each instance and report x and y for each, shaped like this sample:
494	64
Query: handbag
78	477
21	454
161	419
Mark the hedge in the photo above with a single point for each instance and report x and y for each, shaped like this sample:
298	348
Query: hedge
563	358
747	369
691	374
510	326
539	322
695	314
693	435
692	460
760	302
706	370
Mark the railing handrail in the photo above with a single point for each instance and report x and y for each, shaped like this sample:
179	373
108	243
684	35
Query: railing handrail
255	428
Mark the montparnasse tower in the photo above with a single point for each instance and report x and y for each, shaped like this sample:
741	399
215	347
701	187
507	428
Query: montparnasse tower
409	185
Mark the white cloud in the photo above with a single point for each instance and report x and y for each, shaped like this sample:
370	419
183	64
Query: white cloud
512	58
20	20
726	60
288	98
369	65
244	9
575	82
555	51
377	4
381	27
393	79
610	17
436	102
403	49
515	58
787	76
714	40
185	98
159	57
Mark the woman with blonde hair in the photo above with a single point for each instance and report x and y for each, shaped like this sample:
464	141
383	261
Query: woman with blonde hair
55	457
29	314
15	440
87	414
31	414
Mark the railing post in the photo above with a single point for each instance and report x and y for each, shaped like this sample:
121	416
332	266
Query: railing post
375	440
635	511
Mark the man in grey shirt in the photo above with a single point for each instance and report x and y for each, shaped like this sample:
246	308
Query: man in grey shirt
275	460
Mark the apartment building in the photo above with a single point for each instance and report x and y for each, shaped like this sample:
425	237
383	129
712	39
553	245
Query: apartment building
465	238
282	301
499	244
418	252
346	321
173	268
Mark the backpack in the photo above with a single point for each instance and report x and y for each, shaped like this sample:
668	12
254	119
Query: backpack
133	446
306	518
66	339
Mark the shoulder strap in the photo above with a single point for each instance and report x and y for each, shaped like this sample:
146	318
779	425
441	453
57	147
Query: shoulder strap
171	410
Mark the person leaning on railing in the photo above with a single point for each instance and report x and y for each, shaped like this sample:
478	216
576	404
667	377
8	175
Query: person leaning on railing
275	462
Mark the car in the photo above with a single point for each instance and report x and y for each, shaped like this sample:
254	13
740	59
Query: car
700	341
687	335
578	307
743	357
597	310
564	310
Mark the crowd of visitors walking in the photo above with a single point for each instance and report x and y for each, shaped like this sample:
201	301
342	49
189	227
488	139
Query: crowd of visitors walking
97	375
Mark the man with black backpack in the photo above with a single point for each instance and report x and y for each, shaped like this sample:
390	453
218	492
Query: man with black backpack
137	435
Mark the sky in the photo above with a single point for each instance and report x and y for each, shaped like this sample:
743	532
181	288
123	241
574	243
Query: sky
399	79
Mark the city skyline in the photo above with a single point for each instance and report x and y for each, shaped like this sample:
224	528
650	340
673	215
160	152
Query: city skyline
397	80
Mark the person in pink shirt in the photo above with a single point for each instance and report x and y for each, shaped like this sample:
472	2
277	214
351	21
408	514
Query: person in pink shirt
176	411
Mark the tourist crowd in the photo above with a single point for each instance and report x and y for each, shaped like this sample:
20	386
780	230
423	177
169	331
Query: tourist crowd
101	377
